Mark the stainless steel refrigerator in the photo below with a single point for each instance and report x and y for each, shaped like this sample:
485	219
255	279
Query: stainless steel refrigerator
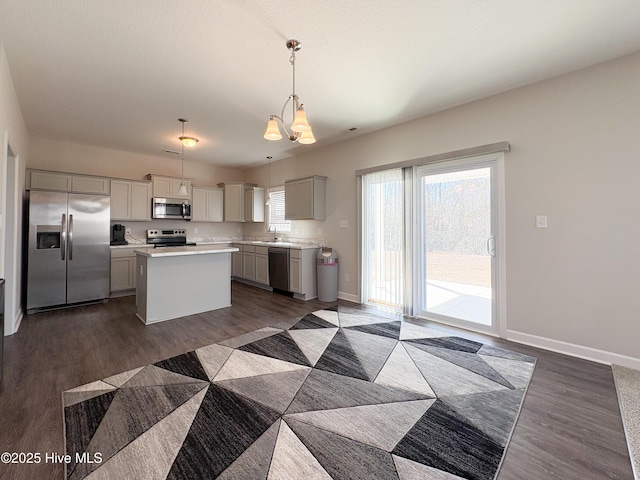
69	256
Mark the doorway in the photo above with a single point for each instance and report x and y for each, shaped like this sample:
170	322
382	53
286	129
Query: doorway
10	257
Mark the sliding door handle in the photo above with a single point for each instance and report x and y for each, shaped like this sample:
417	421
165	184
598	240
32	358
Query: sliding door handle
491	246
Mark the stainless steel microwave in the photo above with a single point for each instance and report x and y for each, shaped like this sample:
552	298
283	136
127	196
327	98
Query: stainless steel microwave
171	208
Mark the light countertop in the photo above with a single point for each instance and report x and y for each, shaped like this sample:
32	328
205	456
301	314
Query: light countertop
294	245
181	251
257	243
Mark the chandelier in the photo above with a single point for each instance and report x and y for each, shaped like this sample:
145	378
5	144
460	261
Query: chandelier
300	128
184	142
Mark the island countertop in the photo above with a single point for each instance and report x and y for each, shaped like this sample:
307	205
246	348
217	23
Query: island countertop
187	250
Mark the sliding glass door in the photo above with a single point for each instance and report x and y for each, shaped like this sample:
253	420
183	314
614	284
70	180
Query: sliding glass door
383	239
454	243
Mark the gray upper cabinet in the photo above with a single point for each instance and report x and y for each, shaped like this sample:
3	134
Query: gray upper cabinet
243	202
304	198
254	204
130	200
207	204
67	182
167	187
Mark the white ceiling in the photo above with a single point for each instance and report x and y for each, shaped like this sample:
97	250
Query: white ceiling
119	73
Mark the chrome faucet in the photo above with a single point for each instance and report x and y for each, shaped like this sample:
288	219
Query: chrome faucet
275	232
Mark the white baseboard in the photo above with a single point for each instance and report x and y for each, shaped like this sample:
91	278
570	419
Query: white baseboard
580	351
349	297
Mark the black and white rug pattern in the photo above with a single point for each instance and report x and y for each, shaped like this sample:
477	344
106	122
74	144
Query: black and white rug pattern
341	394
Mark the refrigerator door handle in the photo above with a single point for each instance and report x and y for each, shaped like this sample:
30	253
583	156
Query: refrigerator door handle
63	225
70	237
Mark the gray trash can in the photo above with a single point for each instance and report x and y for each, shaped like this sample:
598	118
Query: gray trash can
327	270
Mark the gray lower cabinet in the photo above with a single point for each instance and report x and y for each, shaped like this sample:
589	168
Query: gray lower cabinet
302	273
251	263
123	271
248	262
236	261
262	265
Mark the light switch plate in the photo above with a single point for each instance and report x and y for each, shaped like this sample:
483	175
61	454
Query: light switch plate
541	221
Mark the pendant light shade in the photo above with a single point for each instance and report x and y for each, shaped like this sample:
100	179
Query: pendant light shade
307	138
300	123
182	190
272	132
188	141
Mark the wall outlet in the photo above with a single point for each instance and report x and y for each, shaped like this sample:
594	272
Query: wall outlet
195	230
319	231
344	223
346	277
128	231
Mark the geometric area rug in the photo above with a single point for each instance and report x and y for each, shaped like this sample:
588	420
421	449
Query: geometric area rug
341	394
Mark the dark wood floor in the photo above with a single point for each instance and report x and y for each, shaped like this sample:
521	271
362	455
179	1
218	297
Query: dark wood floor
569	427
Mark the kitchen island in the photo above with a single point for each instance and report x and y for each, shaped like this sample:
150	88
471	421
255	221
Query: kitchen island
175	282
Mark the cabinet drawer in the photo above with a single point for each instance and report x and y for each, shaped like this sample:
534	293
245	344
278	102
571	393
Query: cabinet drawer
248	248
295	253
123	252
262	250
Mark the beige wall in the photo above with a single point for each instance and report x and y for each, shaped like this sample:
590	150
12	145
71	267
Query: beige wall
573	287
13	138
52	154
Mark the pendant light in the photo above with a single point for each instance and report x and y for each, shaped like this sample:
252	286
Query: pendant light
300	128
184	142
268	202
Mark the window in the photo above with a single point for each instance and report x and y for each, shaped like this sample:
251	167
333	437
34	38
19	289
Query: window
276	210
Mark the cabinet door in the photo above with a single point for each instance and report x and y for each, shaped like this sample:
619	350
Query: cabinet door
234	203
162	187
262	269
291	200
248	205
236	264
258	204
122	273
140	200
248	265
120	200
51	181
83	184
199	205
304	191
295	275
215	205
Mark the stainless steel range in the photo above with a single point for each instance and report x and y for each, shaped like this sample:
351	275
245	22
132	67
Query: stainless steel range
167	238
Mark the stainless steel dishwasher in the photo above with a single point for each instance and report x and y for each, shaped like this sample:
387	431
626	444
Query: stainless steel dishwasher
279	268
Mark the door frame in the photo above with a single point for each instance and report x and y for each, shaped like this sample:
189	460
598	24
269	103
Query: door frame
496	162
